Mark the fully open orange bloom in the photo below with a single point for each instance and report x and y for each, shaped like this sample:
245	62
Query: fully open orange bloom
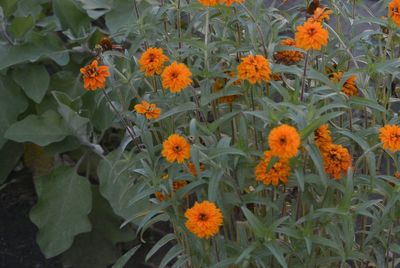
149	110
192	168
94	76
152	61
390	137
311	35
323	137
320	14
284	141
279	172
288	57
230	2
337	160
349	87
176	77
394	11
204	219
176	148
254	69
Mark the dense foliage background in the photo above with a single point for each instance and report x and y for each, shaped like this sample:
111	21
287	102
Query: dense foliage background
96	187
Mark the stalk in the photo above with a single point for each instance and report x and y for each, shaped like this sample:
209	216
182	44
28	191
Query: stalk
303	80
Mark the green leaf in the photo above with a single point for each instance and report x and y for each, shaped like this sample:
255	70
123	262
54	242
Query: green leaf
316	158
160	243
305	132
121	262
277	252
39	129
373	104
70	16
258	228
9	155
188	106
34	80
12	103
21	25
64	202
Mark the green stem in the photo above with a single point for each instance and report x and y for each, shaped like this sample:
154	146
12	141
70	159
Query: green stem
303	80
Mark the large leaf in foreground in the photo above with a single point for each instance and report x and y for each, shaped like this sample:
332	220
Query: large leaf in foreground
65	201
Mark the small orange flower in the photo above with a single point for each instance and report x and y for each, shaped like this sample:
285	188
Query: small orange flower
311	35
218	85
320	14
349	87
176	185
94	76
149	110
279	172
176	77
323	137
337	160
152	61
254	69
390	137
288	57
192	168
209	3
394	11
397	175
230	2
284	141
204	219
276	77
176	148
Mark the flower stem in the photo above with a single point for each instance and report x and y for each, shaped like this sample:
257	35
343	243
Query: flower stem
303	80
254	119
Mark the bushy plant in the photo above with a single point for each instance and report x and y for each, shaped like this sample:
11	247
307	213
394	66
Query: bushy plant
249	133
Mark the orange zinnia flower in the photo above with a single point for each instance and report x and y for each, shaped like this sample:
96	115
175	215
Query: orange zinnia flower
254	69
320	14
230	2
288	57
176	77
204	219
394	11
152	61
209	3
94	76
390	137
349	87
149	110
322	137
279	172
284	141
336	160
311	35
192	168
176	148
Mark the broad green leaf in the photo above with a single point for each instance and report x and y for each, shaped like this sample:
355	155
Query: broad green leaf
21	25
34	80
64	202
70	16
9	155
12	103
39	129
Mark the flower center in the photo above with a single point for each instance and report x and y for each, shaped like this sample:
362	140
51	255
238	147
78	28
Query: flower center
174	75
202	217
151	57
395	10
91	72
177	148
311	31
282	140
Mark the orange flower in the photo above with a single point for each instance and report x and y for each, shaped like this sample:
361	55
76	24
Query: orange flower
349	87
390	137
254	69
336	160
149	110
204	219
311	35
176	185
397	175
288	57
394	11
230	2
279	172
276	77
176	148
284	141
320	14
209	3
176	77
218	85
192	168
94	76
152	61
322	137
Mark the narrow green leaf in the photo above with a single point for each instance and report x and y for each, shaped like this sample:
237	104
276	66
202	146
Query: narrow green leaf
123	260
